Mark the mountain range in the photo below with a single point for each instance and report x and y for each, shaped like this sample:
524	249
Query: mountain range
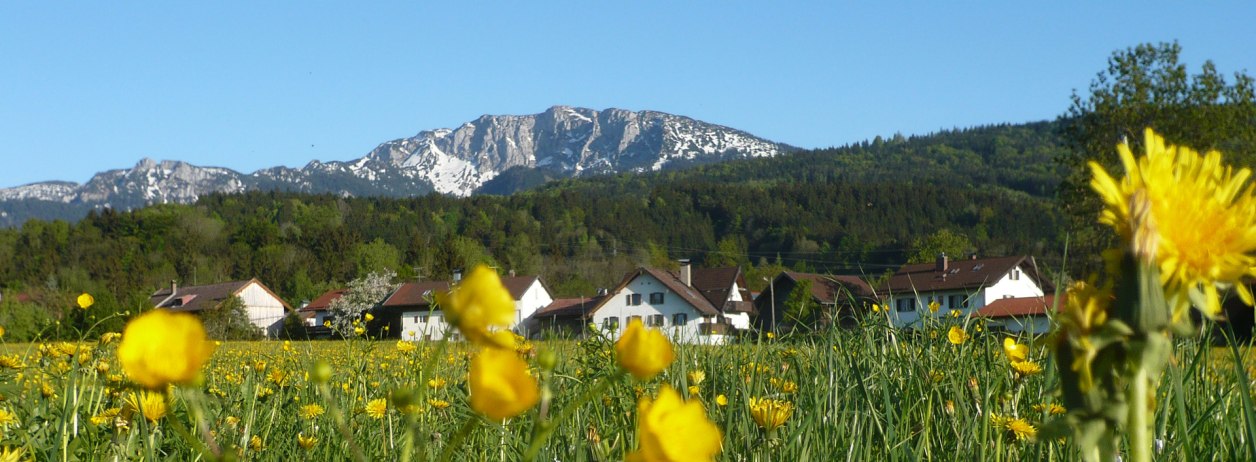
491	154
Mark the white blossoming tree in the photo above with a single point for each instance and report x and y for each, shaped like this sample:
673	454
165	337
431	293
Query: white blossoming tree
363	294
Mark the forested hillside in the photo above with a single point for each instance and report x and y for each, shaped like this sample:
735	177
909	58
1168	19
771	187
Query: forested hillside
859	209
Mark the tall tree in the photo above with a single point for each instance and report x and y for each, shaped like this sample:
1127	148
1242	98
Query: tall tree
1146	86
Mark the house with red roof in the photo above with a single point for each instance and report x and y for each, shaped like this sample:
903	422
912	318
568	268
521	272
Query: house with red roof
1030	315
707	312
838	299
966	285
315	313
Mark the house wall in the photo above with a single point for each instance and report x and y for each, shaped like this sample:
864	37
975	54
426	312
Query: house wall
739	320
533	299
1035	325
616	306
1005	287
265	311
414	326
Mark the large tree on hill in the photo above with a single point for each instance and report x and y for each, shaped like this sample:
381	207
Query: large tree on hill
1146	86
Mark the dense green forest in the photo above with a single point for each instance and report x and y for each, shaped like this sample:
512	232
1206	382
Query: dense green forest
859	209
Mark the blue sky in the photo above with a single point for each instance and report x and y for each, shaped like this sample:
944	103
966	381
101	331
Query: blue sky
248	85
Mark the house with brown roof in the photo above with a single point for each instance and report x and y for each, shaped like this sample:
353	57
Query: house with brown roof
1031	315
838	298
410	313
670	301
566	317
315	313
965	285
265	309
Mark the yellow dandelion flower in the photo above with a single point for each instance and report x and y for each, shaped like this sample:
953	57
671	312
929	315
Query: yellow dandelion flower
481	307
694	390
696	377
644	352
160	347
406	347
8	454
1189	214
933	306
956	313
956	335
106	417
1020	429
500	385
7	418
149	403
671	429
770	413
85	301
377	408
256	444
1085	310
436	383
109	337
11	362
1026	368
437	403
721	400
310	411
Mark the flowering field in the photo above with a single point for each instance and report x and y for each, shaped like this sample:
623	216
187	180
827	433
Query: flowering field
864	394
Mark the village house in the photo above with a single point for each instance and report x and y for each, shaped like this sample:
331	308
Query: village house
966	285
565	317
317	312
839	298
1030	315
265	309
669	301
409	312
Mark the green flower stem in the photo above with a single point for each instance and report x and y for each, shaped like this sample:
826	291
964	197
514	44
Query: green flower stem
472	422
545	428
1139	425
341	425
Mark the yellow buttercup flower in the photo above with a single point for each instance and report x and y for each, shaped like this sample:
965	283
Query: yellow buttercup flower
1189	214
377	408
406	347
933	306
644	352
500	385
1014	351
670	429
160	347
721	400
481	307
85	301
956	335
770	413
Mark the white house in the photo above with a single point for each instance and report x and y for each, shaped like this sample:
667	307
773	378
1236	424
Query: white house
265	309
666	301
965	285
315	313
411	315
726	289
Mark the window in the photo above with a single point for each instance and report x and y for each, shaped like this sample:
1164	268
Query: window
1016	274
632	299
657	320
679	319
423	319
956	302
905	304
610	323
656	298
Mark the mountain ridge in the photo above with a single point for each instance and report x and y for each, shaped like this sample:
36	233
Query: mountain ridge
563	140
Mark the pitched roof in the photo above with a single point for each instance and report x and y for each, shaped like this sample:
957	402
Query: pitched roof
324	301
1019	307
673	283
715	283
959	275
517	285
414	294
828	289
569	307
197	298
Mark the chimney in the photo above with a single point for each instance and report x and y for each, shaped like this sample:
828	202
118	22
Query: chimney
686	272
174	287
601	291
943	263
457	275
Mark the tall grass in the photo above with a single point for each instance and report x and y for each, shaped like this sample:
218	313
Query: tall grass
868	393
